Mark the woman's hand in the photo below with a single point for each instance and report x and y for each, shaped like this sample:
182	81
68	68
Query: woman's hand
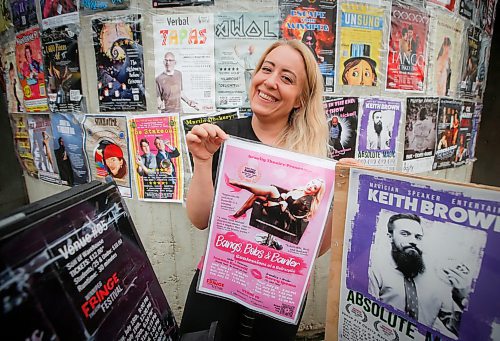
204	140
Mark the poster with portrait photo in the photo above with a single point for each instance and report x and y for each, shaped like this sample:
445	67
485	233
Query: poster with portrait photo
120	63
378	132
407	58
23	14
447	133
68	148
469	85
464	134
445	54
476	120
189	121
342	119
266	227
184	62
59	12
314	23
419	259
62	65
42	147
13	90
361	30
105	141
22	144
30	70
483	62
420	134
155	146
240	40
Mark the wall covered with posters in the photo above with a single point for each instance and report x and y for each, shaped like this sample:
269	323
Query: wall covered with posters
106	89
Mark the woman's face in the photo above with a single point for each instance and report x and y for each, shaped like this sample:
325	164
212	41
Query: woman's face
313	186
114	164
276	88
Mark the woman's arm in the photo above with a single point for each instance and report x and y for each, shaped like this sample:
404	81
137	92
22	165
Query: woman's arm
202	141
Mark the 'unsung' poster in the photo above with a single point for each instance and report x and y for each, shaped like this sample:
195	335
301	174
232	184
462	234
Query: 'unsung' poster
120	63
361	30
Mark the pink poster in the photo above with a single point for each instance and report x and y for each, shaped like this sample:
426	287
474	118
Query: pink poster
155	147
270	209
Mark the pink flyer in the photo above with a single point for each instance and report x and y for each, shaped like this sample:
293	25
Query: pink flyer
269	213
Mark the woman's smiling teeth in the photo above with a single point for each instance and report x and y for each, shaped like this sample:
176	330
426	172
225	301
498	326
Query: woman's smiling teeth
266	97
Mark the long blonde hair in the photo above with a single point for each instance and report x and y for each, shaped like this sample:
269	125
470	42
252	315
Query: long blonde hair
306	131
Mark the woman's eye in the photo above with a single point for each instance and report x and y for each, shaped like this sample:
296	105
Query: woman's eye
367	74
287	79
266	69
355	73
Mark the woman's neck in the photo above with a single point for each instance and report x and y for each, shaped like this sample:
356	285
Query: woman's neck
267	130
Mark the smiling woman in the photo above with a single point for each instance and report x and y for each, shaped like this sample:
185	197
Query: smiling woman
286	100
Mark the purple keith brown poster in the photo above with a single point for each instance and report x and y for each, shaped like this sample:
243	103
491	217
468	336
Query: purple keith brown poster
378	132
420	260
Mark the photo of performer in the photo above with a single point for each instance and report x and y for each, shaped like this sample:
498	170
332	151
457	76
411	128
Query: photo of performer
379	130
31	67
335	133
470	75
461	154
146	163
403	274
169	90
164	156
47	151
281	208
443	141
423	133
309	38
454	127
443	68
114	161
64	163
412	40
15	93
249	59
404	49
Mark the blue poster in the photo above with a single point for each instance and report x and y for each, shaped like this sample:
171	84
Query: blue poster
68	148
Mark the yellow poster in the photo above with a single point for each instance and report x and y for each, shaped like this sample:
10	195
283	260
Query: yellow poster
361	31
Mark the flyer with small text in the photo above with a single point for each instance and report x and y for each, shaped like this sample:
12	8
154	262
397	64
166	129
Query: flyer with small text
266	225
